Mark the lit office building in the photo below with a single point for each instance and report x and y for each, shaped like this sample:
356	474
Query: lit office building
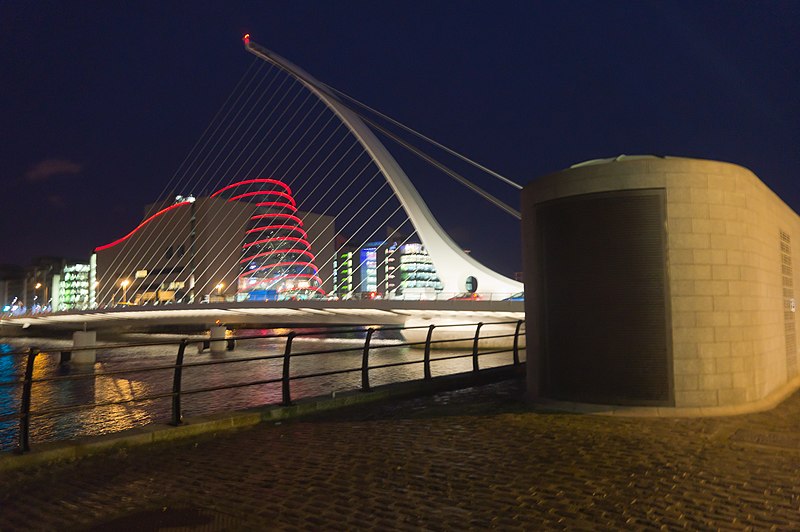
368	264
415	271
346	273
386	269
72	287
362	272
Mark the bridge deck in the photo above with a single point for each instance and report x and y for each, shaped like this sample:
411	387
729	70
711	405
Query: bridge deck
273	314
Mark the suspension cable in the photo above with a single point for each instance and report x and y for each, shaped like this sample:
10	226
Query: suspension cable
416	133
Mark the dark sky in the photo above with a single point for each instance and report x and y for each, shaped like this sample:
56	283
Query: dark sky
101	101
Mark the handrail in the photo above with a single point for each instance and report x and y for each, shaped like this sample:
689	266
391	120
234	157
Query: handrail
25	403
164	367
176	385
26	412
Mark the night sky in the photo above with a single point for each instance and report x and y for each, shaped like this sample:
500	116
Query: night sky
101	103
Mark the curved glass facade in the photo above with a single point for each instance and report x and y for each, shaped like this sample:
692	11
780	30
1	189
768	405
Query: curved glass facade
277	261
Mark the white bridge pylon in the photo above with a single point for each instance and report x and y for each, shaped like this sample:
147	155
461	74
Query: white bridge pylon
452	264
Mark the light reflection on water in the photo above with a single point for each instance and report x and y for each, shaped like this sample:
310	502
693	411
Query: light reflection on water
136	384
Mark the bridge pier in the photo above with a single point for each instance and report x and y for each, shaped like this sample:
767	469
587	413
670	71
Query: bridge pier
218	343
84	339
230	345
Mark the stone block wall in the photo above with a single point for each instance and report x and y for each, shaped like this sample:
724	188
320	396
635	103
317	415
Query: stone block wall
729	281
726	282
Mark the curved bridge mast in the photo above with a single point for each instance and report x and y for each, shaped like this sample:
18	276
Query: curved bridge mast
452	264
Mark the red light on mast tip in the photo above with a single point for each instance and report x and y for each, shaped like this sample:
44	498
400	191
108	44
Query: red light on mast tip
246	38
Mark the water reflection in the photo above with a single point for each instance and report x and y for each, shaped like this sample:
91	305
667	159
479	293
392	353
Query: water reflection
135	383
9	395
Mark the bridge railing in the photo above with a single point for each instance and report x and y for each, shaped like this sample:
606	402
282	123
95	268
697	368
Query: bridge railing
506	332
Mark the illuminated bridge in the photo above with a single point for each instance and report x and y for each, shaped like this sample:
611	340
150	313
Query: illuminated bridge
289	210
314	312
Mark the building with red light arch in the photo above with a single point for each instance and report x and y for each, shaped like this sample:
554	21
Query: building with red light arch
277	259
160	261
245	241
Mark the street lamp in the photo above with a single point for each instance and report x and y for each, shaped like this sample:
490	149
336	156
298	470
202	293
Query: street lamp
219	288
35	288
124	284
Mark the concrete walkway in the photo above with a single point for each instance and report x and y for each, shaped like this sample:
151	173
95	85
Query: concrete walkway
471	459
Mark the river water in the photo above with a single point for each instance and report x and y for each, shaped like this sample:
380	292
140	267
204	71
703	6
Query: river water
132	384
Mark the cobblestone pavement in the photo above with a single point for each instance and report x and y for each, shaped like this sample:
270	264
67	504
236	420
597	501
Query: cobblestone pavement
473	459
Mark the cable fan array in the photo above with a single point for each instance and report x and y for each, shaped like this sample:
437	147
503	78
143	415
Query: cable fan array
311	189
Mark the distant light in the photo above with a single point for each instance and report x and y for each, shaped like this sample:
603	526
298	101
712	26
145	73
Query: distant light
190	199
246	38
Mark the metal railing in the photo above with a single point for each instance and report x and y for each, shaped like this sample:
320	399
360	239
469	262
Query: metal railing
26	413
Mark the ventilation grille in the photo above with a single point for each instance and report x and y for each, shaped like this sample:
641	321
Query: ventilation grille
788	305
604	306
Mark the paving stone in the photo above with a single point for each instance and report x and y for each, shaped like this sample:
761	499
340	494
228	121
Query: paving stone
470	459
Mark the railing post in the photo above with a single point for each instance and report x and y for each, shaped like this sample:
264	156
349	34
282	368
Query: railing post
287	355
475	366
176	385
427	363
365	362
25	404
516	343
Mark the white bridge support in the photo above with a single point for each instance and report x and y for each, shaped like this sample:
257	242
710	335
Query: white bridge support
84	339
452	264
218	344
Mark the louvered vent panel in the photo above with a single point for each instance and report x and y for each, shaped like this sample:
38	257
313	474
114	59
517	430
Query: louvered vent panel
604	309
789	304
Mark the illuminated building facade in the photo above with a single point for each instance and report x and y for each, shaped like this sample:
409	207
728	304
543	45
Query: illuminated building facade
361	272
347	276
368	266
72	287
245	241
386	269
415	270
277	262
181	252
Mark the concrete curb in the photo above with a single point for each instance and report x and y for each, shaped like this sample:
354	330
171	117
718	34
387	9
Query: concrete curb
765	403
46	453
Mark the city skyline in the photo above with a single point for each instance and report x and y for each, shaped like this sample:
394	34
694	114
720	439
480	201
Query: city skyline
107	102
